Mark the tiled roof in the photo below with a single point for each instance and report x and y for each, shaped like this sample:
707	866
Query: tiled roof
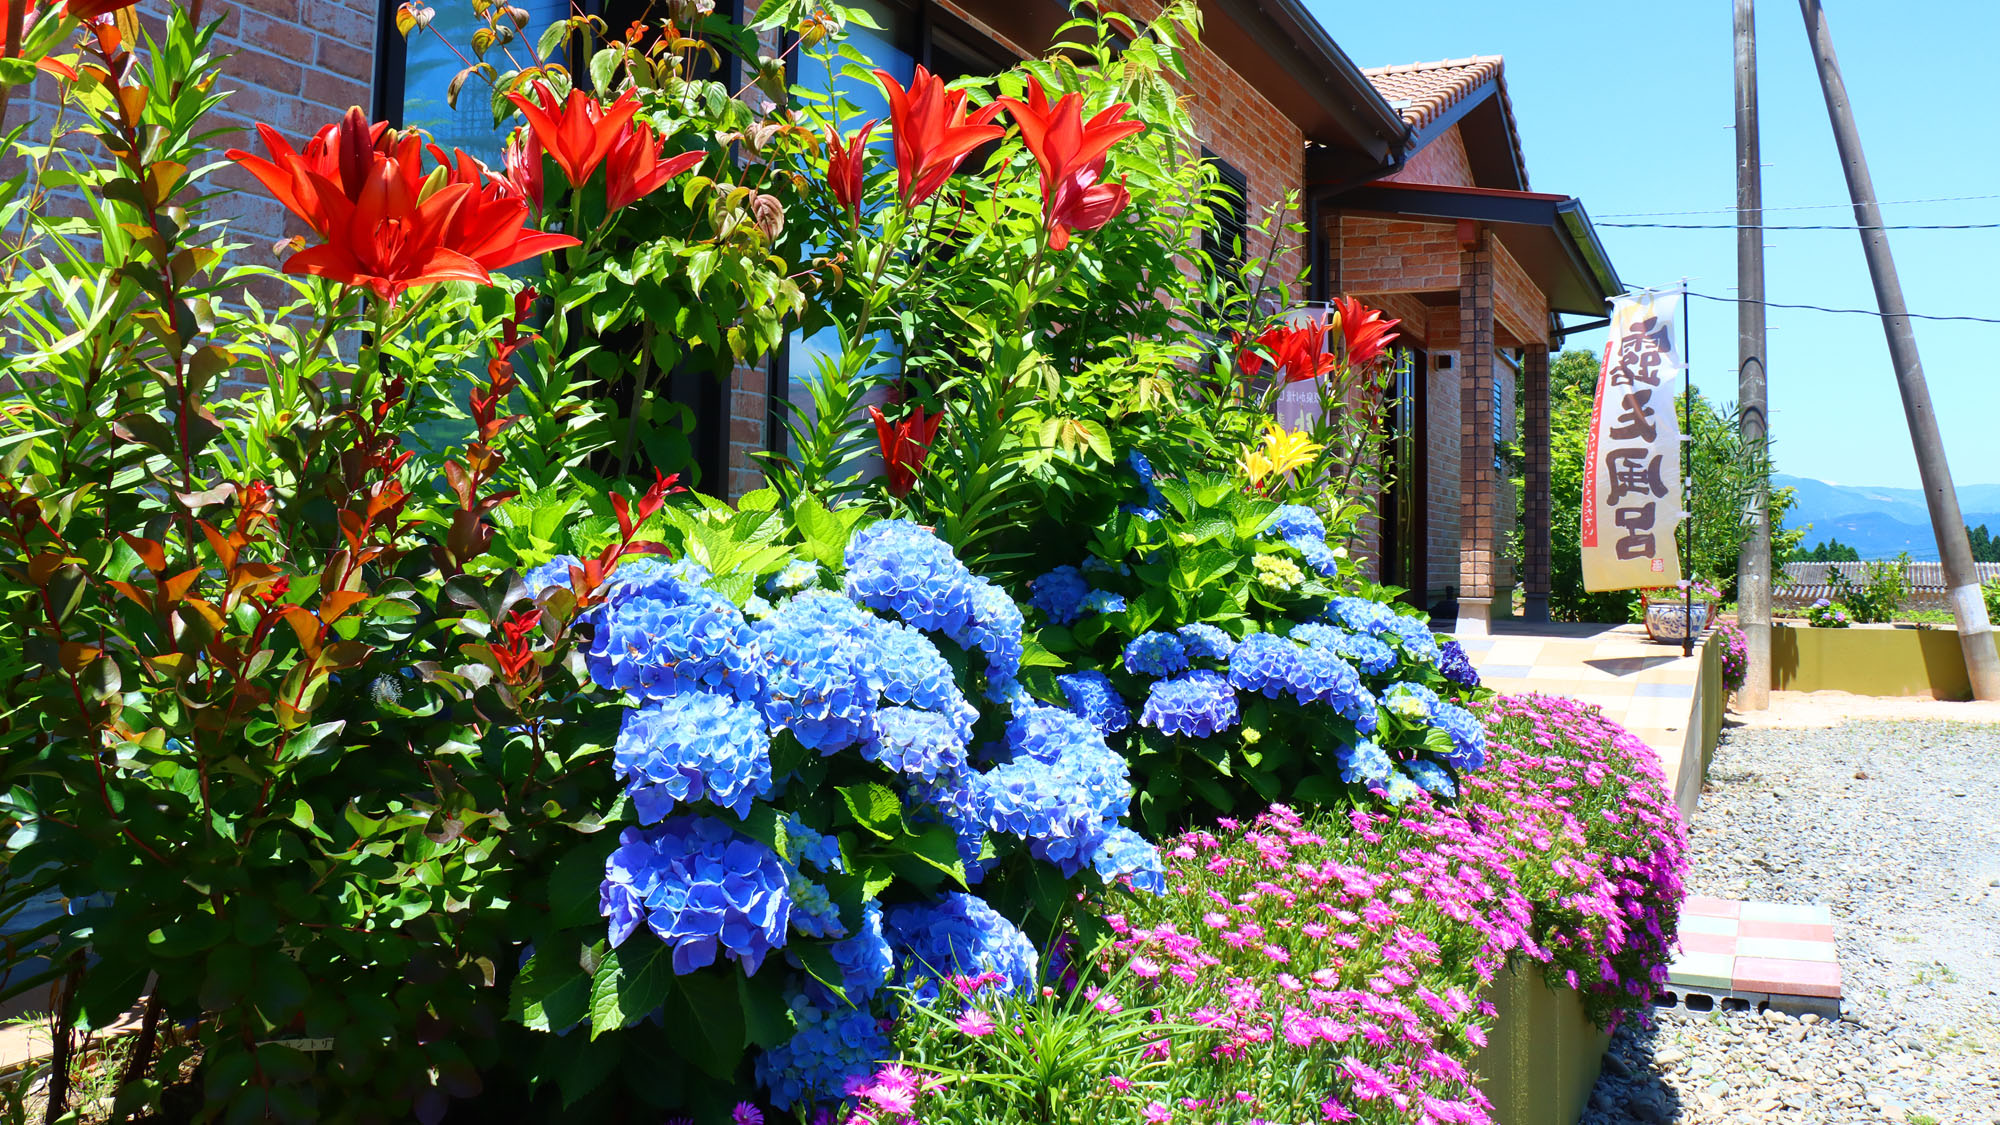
1423	92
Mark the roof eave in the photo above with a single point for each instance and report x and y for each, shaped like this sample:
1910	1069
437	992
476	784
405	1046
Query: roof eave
1346	107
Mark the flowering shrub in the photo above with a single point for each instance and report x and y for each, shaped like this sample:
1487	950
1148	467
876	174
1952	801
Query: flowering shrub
1828	614
1328	967
1216	647
1735	657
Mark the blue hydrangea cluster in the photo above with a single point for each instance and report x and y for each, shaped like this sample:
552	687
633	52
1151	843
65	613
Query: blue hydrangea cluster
1156	654
1417	639
1361	615
1063	790
958	935
1059	594
919	743
1467	733
1195	705
1206	642
834	1049
1455	666
659	634
897	567
1295	521
1431	778
1103	601
1092	697
1414	702
1363	763
702	887
1129	856
1359	649
1267	663
691	747
795	575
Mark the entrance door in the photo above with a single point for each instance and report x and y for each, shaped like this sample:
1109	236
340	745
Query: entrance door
1404	463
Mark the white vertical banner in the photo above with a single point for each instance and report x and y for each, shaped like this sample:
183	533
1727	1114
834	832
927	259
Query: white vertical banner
1632	466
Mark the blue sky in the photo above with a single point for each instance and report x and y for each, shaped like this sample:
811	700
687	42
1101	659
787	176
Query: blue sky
1629	107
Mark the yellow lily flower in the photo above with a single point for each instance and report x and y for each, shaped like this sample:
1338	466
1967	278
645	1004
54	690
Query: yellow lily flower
1283	451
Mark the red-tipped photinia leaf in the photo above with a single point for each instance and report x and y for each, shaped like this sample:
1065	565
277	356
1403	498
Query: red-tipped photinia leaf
933	132
1365	334
578	131
904	445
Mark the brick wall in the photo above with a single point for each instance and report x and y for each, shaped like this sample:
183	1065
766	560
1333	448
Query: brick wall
1478	518
1521	309
1376	256
1443	161
293	64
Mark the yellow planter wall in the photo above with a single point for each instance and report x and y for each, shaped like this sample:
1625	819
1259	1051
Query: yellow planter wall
1867	661
1543	1054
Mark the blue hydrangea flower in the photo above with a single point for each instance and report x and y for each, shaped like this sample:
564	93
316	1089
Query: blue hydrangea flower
1295	521
1140	466
554	572
920	743
795	575
659	635
1361	650
1155	654
1197	704
1400	789
822	678
756	608
1317	554
702	887
692	747
1092	697
1128	855
1059	594
1455	666
1206	642
958	935
1062	792
813	912
1267	663
1414	702
1103	601
835	1047
1145	512
1417	638
805	845
1363	763
864	957
1361	615
1468	735
1094	565
1007	692
1432	777
898	567
915	674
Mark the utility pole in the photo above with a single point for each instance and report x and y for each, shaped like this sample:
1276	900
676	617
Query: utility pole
1753	566
1975	632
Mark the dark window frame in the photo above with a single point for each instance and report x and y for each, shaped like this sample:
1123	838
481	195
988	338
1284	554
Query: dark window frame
1229	232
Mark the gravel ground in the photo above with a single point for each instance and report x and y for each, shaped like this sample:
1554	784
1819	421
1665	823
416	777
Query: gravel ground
1895	826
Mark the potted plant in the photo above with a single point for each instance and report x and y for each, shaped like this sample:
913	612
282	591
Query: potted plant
1673	613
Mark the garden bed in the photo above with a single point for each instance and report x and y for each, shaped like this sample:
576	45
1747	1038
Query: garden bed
1870	660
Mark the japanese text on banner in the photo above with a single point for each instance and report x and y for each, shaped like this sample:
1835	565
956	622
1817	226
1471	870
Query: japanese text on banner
1632	467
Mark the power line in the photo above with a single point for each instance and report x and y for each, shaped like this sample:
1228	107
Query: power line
1853	312
1804	226
1793	207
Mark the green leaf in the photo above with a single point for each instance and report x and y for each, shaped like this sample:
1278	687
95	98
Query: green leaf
574	881
312	740
766	1017
631	984
818	961
875	807
552	992
708	1001
937	845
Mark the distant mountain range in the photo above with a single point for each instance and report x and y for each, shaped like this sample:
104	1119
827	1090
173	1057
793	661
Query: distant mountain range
1880	522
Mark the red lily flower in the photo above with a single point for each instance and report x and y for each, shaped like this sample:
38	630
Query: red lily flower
1070	153
633	168
579	132
844	171
933	133
1272	339
342	155
488	227
904	445
521	159
87	10
387	239
1303	352
1365	334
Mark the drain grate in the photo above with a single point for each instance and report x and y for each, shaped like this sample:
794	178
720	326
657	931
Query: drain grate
1704	1001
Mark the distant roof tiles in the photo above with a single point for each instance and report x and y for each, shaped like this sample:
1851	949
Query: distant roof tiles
1426	91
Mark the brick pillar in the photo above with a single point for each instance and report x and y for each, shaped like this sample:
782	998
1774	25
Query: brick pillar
1478	531
1535	474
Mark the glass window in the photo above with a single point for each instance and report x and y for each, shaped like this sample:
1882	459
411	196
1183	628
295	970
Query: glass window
431	60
